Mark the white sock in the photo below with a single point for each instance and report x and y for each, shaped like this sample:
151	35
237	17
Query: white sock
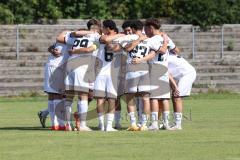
117	117
45	112
58	118
132	118
144	119
51	111
83	108
110	118
68	111
166	117
154	118
178	118
101	119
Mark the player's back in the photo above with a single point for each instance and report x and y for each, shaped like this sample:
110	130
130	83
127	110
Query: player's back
83	42
178	66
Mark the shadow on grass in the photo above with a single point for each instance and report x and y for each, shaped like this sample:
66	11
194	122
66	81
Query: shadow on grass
94	128
23	129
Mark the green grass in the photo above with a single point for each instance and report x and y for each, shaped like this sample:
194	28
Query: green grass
213	134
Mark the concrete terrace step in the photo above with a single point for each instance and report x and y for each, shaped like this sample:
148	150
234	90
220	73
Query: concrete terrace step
217	76
22	63
218	82
21	70
213	62
25	55
232	85
227	55
22	78
25	92
16	85
217	69
19	89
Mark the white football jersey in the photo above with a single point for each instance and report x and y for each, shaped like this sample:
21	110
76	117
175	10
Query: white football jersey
178	66
155	43
140	51
107	57
82	42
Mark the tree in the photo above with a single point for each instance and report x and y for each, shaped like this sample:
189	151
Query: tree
6	15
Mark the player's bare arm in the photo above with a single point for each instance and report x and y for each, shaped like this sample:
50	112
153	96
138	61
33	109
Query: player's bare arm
83	50
163	49
81	33
175	51
174	86
109	38
114	47
61	37
148	57
134	43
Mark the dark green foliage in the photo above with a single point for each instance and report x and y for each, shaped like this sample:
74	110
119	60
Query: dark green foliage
197	12
206	12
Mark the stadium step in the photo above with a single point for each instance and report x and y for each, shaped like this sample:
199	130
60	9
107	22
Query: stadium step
217	76
22	63
21	70
231	85
20	85
21	78
25	55
217	69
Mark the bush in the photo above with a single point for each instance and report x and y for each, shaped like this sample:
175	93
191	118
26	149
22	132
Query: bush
6	16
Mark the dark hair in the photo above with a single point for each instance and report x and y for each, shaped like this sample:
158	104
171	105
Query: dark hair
153	22
109	24
93	22
126	24
116	30
137	25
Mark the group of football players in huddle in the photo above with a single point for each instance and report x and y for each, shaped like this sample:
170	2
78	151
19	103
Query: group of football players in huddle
140	65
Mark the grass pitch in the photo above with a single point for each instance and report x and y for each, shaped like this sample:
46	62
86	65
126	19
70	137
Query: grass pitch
213	134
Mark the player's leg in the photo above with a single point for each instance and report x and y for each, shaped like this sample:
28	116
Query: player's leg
100	94
154	114
184	87
146	111
165	113
101	111
68	109
177	107
110	114
82	111
90	96
139	106
130	99
54	100
160	111
58	103
117	116
42	115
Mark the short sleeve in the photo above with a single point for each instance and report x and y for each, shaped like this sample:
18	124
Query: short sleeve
171	45
69	39
95	37
127	40
155	43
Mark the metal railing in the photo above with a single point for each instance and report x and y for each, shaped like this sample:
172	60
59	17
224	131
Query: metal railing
191	38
